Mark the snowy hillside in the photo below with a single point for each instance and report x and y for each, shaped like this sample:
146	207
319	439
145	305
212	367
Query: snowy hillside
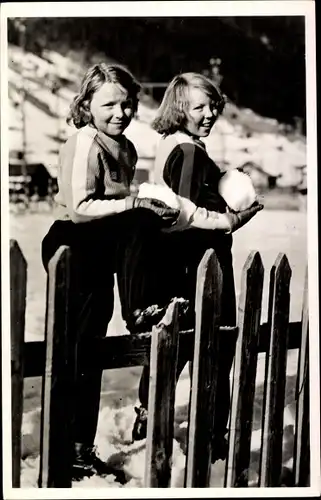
230	144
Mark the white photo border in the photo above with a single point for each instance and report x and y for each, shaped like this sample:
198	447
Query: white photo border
175	9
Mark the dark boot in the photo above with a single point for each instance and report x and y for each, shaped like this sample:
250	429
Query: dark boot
144	320
86	464
140	425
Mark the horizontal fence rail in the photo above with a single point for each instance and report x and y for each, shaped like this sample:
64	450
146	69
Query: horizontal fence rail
127	350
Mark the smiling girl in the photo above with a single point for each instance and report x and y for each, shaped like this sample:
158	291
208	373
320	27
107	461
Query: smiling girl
190	108
108	231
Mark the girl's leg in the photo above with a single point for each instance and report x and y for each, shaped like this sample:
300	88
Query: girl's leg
222	246
192	246
185	354
147	274
147	270
140	425
92	305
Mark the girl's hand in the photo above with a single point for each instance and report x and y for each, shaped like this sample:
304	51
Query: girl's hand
237	220
168	214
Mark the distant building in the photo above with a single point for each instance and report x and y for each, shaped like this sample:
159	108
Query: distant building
32	178
259	177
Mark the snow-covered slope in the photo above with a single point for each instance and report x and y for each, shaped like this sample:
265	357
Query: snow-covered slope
45	112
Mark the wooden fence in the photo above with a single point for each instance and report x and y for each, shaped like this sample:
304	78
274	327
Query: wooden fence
54	359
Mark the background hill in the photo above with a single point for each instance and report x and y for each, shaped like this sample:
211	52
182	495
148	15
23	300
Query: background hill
261	69
262	58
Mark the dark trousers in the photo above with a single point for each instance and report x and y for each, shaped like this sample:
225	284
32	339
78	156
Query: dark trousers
189	247
131	245
151	268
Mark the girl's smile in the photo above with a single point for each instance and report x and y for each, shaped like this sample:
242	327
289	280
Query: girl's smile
202	113
111	109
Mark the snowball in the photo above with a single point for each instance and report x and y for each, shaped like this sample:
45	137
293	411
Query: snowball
237	189
159	192
163	193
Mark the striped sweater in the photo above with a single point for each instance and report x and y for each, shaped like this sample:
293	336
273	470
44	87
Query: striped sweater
94	175
183	164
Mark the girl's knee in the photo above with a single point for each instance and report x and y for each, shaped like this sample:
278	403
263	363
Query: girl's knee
144	218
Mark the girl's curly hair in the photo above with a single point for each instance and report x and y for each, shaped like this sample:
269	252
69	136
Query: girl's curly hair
94	78
171	115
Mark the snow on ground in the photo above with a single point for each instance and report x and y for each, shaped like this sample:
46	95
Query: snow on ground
271	232
113	440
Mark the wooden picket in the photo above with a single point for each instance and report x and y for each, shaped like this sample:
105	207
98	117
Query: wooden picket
301	454
57	393
18	288
245	363
272	421
55	360
161	398
205	372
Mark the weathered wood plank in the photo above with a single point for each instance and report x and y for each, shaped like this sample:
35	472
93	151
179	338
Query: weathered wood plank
301	454
245	364
132	350
205	371
272	421
18	289
161	400
57	395
294	339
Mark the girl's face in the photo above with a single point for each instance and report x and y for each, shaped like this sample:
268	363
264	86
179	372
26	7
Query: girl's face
111	109
201	114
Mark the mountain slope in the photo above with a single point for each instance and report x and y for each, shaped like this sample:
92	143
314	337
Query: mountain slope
263	58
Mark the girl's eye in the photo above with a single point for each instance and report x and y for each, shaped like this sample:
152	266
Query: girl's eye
124	105
199	107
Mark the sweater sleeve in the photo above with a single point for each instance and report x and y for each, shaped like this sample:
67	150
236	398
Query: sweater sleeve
80	179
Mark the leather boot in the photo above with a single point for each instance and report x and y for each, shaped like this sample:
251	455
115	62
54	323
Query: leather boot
140	425
86	463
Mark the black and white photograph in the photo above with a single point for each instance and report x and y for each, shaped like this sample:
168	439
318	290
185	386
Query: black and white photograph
159	250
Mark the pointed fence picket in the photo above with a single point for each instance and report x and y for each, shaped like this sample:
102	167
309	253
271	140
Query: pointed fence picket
18	289
161	398
245	364
272	423
205	372
301	455
55	360
57	389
